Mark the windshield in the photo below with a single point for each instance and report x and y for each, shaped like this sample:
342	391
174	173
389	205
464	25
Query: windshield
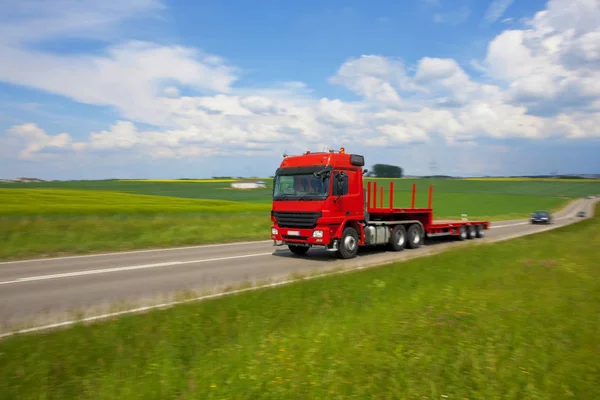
301	186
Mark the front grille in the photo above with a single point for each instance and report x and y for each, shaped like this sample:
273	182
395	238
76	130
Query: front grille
292	219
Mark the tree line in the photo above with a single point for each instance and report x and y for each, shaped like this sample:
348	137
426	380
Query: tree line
386	171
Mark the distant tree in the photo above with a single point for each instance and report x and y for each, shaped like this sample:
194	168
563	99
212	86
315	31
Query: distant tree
387	171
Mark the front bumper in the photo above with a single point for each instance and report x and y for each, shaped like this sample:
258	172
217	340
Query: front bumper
317	237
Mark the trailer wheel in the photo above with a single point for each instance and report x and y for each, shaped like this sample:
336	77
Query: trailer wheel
398	238
463	233
415	236
348	244
480	232
472	233
298	250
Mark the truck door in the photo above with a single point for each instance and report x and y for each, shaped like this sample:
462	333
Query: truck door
349	201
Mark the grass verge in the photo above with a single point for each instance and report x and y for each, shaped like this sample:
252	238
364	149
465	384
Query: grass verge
518	319
42	237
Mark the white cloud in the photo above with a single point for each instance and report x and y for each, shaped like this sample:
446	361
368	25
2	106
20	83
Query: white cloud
36	139
32	20
546	85
453	18
495	10
128	76
553	66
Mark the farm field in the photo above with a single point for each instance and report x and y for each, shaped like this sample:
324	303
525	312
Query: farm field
522	324
219	190
56	221
80	217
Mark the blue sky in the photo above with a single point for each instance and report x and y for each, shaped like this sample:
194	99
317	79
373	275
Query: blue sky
168	89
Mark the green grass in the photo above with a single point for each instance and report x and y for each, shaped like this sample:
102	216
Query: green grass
71	202
194	190
40	237
512	320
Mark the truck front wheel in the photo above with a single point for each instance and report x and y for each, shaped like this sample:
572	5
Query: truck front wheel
298	250
348	244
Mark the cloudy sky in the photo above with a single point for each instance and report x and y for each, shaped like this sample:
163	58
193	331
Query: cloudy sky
166	89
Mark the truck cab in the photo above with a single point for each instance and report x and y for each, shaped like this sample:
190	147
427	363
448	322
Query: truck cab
314	195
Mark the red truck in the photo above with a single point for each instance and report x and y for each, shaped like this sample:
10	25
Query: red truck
319	200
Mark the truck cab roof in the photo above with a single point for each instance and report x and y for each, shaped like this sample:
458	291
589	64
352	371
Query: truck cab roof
331	159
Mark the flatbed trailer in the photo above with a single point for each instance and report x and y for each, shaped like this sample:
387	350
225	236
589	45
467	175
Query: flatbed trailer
462	229
341	219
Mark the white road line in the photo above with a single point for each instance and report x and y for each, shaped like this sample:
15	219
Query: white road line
129	268
120	253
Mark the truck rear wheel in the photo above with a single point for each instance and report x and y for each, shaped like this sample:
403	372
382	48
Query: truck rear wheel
398	238
349	244
463	233
479	231
298	250
472	233
414	236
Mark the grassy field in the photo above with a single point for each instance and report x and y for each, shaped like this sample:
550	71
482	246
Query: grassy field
221	190
533	179
40	222
69	202
39	219
513	320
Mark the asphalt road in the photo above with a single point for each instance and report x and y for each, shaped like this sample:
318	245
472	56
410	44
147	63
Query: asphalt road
35	292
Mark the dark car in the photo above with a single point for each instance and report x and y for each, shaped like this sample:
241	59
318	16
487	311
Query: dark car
581	214
541	217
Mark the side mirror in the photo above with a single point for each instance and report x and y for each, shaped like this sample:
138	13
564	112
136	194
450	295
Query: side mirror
365	171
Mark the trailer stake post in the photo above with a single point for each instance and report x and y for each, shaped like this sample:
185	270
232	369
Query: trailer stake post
414	189
391	194
374	194
368	195
381	197
430	197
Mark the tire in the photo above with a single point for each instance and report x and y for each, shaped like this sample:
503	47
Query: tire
298	250
463	233
414	236
472	233
479	231
348	247
398	238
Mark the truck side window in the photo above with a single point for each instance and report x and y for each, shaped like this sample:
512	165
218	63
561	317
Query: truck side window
344	183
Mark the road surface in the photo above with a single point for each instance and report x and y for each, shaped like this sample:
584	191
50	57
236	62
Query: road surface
35	292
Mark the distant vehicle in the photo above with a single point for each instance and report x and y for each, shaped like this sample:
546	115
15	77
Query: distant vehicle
581	214
541	217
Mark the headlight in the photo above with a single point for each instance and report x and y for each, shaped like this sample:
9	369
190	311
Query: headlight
274	231
318	234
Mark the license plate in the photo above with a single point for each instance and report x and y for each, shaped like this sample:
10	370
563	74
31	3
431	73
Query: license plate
293	233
